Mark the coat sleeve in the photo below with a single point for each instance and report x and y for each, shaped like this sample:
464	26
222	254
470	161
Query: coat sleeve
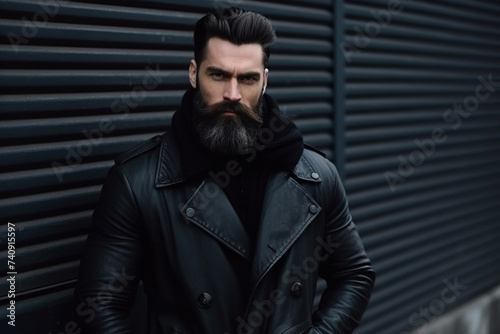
347	271
110	267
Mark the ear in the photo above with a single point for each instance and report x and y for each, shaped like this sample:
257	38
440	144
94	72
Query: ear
193	71
266	75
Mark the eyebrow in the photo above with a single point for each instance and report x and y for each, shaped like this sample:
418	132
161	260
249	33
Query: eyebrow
226	73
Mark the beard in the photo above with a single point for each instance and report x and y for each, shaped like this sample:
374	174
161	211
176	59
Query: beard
227	135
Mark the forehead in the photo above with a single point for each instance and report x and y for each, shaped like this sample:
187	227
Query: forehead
226	55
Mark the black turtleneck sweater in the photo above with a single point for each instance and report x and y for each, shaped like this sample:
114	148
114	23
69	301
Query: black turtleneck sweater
279	150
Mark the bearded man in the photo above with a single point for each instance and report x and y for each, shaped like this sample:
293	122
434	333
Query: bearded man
228	218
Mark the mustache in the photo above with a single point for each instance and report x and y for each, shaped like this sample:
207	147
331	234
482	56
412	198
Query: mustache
244	112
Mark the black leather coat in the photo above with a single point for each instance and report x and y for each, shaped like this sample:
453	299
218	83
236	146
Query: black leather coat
185	241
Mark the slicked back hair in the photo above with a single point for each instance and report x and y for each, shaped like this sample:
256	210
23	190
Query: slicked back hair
234	25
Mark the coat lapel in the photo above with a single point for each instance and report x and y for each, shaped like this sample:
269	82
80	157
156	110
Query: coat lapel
210	209
288	210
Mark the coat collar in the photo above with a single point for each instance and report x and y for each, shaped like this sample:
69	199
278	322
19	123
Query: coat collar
169	171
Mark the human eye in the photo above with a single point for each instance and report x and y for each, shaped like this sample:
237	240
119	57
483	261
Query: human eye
248	79
217	75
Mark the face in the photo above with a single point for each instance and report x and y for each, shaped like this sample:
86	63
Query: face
230	82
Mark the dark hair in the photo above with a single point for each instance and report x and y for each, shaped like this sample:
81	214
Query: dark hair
235	25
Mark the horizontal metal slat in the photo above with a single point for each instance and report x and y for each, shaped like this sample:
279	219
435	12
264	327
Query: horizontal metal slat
91	56
74	9
388	203
367	57
119	102
22	181
280	77
46	276
427	146
407	88
471	4
398	31
312	125
413	259
98	79
437	10
418	190
58	301
283	61
325	3
75	126
460	250
299	29
371	226
425	269
414	17
97	35
298	46
319	140
306	109
407	253
416	131
44	203
405	103
372	119
309	93
76	150
304	13
387	74
436	266
473	160
451	51
391	163
427	175
53	227
380	231
47	254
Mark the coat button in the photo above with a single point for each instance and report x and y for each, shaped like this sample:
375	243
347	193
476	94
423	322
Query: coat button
313	209
205	300
296	289
190	212
315	176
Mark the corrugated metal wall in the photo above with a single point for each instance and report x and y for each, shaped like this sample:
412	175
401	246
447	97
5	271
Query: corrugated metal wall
81	82
422	153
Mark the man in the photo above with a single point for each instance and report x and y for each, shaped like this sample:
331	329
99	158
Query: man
227	219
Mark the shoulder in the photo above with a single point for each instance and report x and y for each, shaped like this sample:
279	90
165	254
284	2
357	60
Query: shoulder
138	150
327	187
316	161
311	148
315	157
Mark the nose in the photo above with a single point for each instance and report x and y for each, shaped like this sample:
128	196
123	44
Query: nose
231	91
